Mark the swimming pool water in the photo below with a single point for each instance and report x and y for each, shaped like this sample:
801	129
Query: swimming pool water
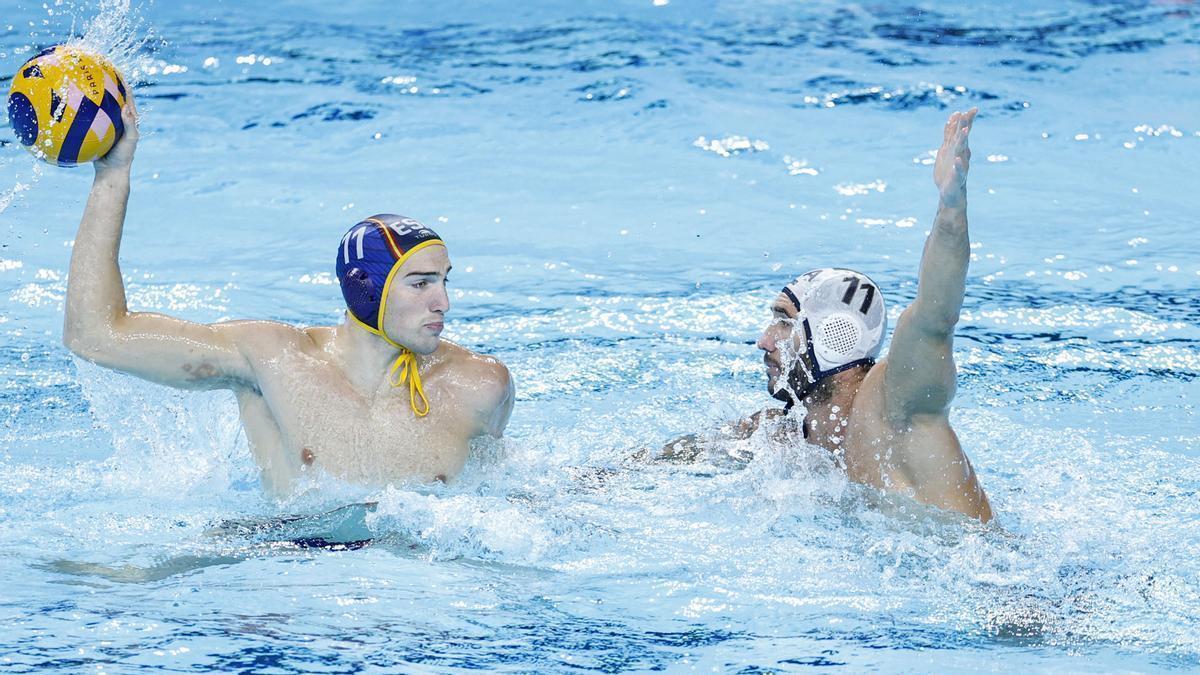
624	186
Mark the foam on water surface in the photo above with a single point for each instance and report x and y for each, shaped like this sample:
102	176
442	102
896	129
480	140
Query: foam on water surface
622	268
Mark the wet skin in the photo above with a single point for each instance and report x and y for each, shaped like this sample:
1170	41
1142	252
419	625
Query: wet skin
309	398
887	425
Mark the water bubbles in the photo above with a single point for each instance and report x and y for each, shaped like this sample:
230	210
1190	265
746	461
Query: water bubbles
731	145
926	159
798	167
318	278
1167	129
160	67
855	189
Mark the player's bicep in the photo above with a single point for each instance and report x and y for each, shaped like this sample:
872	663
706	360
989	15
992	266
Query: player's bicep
175	352
920	374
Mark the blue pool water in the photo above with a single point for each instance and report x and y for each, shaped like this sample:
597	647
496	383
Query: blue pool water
624	186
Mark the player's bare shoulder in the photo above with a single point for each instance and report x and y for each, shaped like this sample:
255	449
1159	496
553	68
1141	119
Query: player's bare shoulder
255	335
481	380
485	375
259	341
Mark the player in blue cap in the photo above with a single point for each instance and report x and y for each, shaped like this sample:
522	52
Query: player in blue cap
376	399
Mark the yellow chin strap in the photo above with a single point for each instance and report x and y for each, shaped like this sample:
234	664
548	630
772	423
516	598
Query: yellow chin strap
404	368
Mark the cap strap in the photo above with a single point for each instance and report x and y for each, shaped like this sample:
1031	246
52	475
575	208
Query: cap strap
405	368
406	365
792	296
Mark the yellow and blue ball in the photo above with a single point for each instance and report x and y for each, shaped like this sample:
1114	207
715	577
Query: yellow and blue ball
65	105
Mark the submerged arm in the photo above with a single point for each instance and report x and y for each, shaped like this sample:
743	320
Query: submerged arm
688	448
98	325
919	379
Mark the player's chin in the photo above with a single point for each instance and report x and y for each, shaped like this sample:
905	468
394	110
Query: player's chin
427	345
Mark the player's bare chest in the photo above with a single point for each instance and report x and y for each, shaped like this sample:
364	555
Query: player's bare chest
326	422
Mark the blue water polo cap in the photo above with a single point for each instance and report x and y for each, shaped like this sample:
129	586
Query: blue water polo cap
368	258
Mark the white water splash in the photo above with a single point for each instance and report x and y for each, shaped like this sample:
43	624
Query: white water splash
120	33
114	28
11	195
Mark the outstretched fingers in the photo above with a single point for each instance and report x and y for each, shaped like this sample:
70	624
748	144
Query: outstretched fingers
959	120
954	157
950	128
962	152
960	140
964	122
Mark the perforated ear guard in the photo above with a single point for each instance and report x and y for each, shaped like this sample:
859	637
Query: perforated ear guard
844	315
837	339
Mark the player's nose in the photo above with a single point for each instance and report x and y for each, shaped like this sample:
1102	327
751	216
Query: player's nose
441	300
766	342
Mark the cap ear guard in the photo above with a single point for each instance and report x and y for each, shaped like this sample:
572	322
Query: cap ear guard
362	297
837	338
844	315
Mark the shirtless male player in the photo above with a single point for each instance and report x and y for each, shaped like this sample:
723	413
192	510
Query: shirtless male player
887	422
377	398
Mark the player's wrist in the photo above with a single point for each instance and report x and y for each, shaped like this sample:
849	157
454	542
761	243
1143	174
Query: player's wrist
107	172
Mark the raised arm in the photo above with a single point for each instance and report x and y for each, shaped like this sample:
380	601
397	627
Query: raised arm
920	374
98	325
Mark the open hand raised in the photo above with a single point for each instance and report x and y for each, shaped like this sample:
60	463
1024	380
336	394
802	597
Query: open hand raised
954	159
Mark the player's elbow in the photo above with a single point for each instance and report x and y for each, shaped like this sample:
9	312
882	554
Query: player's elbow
91	343
82	346
942	325
89	335
933	319
75	338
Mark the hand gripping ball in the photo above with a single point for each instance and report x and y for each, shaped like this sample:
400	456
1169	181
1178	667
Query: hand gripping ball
65	105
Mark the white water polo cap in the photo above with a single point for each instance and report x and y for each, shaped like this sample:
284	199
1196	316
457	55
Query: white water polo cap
843	316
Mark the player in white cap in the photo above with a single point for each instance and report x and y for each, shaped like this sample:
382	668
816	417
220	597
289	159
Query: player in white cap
885	422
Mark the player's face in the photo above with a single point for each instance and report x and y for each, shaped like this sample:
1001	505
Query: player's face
784	354
417	300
